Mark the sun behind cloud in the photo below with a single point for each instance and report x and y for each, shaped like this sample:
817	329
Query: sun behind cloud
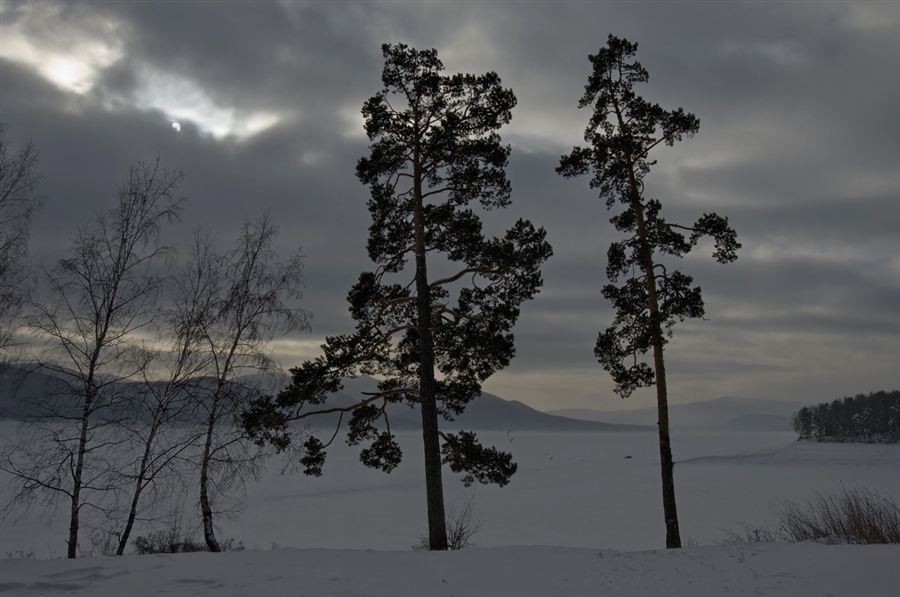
75	53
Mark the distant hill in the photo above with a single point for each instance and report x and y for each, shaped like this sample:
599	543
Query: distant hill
22	386
732	414
17	383
488	412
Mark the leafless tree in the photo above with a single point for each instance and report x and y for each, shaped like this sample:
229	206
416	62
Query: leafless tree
100	300
158	437
19	178
251	300
163	405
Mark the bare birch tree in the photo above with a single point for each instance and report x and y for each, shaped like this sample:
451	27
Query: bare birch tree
165	406
252	299
19	177
162	406
99	301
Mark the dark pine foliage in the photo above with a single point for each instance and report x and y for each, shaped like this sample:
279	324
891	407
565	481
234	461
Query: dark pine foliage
435	317
870	418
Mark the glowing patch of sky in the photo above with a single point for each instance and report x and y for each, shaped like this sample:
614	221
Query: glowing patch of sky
73	56
185	101
70	59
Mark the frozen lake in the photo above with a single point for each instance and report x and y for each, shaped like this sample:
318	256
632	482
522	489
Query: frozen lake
571	490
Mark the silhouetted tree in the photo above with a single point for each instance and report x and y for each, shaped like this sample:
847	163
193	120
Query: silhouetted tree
432	338
622	131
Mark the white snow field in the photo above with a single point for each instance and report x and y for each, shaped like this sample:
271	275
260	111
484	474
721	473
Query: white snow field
579	518
807	570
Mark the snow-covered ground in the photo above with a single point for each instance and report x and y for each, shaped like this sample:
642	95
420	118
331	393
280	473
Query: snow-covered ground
771	570
579	518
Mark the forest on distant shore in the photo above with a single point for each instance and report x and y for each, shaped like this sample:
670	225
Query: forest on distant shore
870	418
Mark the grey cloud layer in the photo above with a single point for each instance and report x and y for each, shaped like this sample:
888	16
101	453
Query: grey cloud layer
798	145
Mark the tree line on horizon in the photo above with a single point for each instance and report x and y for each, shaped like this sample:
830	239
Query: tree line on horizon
869	418
435	157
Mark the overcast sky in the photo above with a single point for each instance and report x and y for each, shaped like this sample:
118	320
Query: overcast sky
799	145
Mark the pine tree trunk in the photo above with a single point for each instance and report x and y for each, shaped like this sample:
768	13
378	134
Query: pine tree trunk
434	488
667	465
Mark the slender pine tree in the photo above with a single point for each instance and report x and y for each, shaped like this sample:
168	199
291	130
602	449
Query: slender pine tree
622	131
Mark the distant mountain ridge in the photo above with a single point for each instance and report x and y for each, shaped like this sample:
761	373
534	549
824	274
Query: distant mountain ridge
731	414
486	413
17	383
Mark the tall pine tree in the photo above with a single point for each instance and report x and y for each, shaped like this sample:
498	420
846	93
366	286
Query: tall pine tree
432	338
622	131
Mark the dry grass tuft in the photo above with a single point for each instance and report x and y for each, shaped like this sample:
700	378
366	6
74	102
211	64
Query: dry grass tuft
855	516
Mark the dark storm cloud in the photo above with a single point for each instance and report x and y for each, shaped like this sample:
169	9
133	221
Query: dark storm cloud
799	145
